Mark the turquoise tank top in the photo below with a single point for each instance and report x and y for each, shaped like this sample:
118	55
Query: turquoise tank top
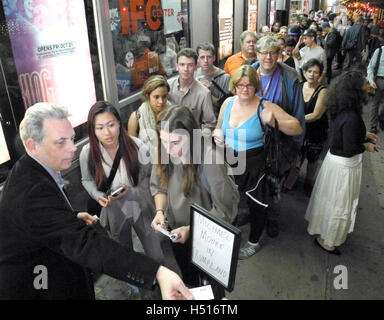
247	136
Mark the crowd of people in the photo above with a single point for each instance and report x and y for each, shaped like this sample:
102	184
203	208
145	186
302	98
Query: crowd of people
178	149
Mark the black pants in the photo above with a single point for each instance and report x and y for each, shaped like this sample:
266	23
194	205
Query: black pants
329	68
255	164
352	57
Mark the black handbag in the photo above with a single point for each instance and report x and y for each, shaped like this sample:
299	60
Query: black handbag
93	206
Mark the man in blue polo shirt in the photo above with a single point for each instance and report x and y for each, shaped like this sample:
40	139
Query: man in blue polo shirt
280	85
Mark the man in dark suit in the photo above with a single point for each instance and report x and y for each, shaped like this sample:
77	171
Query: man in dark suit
46	249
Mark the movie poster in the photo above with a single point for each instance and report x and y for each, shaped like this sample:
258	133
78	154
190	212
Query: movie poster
51	51
225	28
252	15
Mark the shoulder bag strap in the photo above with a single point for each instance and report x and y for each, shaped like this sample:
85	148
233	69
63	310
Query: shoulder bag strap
216	85
261	104
112	174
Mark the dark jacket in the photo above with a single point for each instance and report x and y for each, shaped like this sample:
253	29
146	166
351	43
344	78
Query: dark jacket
38	228
291	102
292	96
332	43
355	33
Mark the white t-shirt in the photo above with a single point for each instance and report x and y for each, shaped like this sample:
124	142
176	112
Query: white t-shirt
318	53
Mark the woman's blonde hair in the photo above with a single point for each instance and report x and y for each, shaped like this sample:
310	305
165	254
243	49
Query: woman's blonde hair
245	71
152	84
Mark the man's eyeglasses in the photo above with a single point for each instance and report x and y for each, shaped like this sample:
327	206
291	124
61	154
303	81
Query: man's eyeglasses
242	86
266	53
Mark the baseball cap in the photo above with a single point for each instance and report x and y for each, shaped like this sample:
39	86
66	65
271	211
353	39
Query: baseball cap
325	25
310	33
294	31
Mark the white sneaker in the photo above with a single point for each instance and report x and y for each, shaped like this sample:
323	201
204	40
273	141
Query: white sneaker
248	251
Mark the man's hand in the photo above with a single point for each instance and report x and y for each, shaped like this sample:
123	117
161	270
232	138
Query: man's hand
89	220
171	286
373	85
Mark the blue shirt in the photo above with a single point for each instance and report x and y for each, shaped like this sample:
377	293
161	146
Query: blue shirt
273	94
372	64
247	136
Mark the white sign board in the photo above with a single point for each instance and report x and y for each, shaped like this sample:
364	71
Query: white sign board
214	247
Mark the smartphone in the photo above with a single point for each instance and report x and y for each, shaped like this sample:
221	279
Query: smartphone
172	236
117	191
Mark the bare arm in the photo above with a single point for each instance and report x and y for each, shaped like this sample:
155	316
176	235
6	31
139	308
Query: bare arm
319	107
287	123
296	51
160	205
218	133
133	125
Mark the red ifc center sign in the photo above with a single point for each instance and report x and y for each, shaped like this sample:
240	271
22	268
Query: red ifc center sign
134	11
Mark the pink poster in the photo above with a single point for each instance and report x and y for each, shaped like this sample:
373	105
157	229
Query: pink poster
51	50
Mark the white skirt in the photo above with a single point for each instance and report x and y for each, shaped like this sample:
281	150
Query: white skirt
332	208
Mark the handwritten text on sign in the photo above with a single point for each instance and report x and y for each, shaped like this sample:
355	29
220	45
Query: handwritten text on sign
212	247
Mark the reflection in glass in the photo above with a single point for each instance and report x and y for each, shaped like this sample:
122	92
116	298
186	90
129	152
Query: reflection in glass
146	38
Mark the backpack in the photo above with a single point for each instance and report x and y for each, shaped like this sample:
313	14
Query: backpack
351	44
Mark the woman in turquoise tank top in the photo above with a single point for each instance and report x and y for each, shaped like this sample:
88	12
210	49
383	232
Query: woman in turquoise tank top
239	129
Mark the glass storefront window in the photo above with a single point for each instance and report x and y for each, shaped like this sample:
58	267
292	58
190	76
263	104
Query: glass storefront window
295	8
272	12
146	34
48	53
51	52
225	47
252	15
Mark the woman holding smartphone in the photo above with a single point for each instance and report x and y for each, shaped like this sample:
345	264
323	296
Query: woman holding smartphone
132	205
191	171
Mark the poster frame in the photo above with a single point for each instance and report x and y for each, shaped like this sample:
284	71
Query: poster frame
236	244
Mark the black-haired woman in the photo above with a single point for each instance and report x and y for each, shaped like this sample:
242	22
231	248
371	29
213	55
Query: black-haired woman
332	207
134	206
316	120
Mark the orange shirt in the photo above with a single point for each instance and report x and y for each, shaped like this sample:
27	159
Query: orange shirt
234	62
145	66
